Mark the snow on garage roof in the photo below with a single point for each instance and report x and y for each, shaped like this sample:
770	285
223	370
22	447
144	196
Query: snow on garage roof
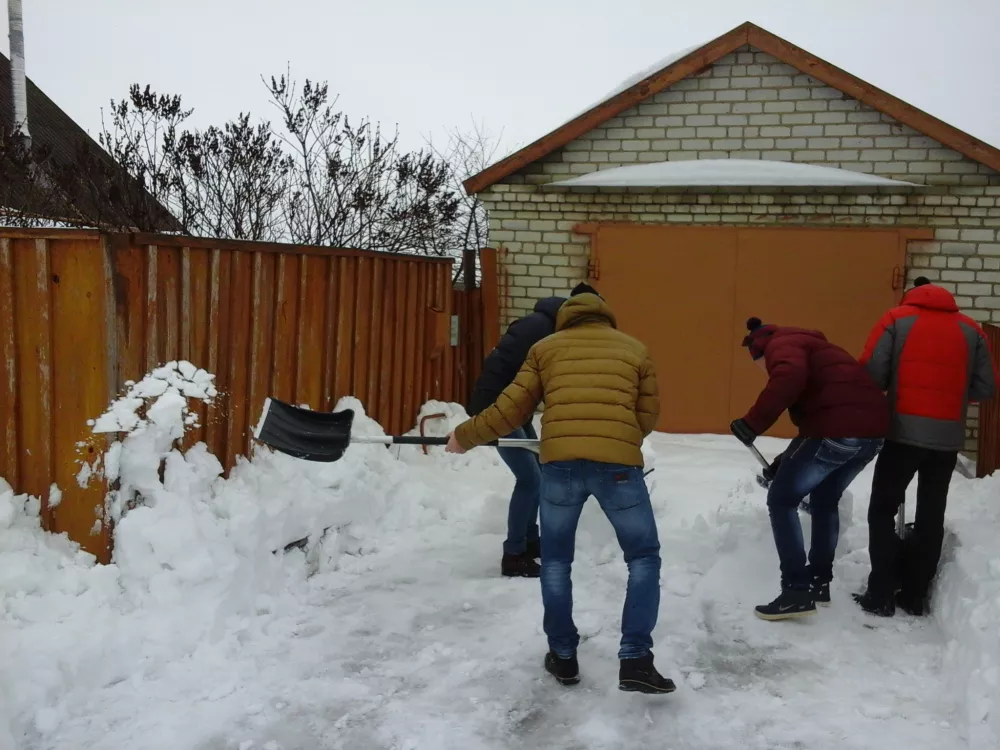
726	173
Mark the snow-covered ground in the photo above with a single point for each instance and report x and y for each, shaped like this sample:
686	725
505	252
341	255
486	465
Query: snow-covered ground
395	629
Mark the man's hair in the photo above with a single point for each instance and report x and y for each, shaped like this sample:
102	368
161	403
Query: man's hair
920	281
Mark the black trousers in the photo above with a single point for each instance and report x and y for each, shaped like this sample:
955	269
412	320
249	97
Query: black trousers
911	564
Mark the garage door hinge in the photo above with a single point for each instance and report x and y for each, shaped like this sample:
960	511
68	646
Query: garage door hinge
594	269
898	278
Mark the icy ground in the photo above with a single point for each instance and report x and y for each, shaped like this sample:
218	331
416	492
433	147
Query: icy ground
395	630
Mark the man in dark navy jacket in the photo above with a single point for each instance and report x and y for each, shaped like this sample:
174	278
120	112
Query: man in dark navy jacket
842	418
522	546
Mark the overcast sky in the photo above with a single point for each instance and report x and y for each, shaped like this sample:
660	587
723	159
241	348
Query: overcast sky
517	66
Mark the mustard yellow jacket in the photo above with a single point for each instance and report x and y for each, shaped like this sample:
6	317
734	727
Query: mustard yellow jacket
598	386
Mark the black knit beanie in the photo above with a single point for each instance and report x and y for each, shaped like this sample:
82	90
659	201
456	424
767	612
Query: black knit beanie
757	337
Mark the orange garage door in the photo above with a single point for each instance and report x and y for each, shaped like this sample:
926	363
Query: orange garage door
687	292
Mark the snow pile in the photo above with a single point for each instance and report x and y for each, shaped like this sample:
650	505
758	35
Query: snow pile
194	553
967	606
391	627
728	172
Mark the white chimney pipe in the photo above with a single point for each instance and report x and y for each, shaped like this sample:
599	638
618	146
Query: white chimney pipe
18	80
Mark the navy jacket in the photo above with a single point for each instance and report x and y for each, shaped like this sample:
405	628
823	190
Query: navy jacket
502	364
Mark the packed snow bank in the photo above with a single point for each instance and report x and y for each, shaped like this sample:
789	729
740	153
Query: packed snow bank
728	173
394	629
195	554
967	606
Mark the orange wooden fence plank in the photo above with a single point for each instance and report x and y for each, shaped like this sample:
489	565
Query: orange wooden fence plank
988	447
9	438
168	278
411	366
284	361
152	322
237	360
346	292
33	311
195	288
309	388
373	395
389	343
445	295
79	384
130	279
186	306
399	349
261	337
218	415
423	350
362	330
490	300
332	294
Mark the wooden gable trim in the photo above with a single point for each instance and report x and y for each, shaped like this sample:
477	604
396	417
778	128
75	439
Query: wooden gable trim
856	88
786	52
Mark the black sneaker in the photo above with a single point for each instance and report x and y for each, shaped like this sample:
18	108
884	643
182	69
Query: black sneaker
882	606
790	603
534	550
820	592
640	676
566	671
520	566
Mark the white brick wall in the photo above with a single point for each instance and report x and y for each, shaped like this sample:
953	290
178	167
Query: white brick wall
749	106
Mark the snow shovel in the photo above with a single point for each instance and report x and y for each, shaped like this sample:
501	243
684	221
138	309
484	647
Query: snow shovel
324	436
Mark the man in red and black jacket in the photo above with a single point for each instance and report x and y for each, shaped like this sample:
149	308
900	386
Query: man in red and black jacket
933	361
842	417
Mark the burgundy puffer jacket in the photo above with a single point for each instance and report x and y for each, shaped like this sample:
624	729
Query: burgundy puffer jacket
827	392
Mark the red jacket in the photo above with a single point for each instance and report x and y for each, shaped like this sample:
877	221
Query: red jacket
827	392
933	361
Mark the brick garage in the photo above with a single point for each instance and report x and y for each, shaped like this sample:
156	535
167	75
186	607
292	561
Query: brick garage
750	95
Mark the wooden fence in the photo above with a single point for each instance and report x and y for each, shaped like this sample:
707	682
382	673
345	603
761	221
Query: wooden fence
84	312
988	444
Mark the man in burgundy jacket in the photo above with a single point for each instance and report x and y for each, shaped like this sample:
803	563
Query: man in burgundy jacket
934	362
842	418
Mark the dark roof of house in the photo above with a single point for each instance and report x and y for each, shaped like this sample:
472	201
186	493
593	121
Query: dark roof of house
697	60
55	133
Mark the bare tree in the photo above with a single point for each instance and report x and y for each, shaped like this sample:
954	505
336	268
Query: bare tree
317	178
143	140
467	153
231	180
353	187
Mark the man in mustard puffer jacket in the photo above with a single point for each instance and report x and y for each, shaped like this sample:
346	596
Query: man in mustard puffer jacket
601	400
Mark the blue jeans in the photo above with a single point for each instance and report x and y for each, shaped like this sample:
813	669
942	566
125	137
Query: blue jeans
522	513
622	494
823	469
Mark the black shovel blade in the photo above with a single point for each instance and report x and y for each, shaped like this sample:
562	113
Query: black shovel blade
310	435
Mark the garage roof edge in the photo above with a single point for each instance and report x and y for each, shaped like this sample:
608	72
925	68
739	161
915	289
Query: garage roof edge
695	61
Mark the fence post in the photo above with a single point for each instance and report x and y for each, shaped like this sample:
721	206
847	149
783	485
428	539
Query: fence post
988	442
490	298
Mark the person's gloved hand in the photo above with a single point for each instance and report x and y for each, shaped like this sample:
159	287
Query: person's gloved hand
772	471
742	432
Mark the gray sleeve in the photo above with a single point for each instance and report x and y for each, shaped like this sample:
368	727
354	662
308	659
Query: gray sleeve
879	364
983	383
